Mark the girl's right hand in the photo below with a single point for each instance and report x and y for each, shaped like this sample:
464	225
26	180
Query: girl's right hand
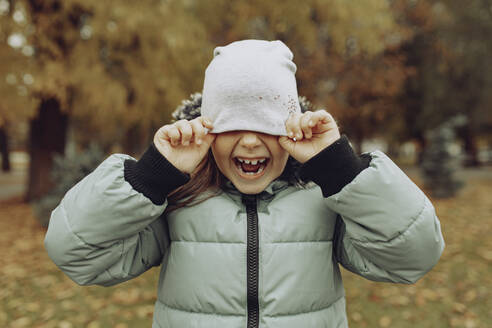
185	143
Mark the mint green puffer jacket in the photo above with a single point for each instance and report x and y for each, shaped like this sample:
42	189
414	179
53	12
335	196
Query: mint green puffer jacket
269	260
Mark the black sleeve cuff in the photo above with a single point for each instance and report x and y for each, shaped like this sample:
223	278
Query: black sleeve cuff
334	167
153	175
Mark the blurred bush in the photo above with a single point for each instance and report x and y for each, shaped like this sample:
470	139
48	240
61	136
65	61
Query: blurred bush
67	171
439	165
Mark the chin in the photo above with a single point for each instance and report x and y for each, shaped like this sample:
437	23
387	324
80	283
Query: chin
250	190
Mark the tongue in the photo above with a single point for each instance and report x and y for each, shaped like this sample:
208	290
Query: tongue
250	167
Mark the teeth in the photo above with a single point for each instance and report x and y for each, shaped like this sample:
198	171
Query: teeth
260	169
254	162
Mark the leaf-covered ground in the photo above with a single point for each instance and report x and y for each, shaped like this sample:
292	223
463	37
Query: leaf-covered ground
456	293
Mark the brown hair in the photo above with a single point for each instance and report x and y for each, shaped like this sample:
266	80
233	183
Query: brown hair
206	176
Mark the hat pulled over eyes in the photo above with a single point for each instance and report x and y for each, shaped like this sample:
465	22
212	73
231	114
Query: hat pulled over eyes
250	85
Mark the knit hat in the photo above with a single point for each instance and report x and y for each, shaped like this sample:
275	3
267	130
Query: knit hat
250	85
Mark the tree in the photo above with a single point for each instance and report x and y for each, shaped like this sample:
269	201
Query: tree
451	57
102	64
438	164
344	51
4	149
15	82
467	32
114	71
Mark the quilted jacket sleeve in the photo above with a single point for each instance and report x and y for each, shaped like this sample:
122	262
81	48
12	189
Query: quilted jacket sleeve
109	227
388	229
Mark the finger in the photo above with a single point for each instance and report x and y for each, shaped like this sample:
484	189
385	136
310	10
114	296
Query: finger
323	116
174	135
306	124
323	122
293	127
206	122
289	125
330	120
163	133
186	131
286	143
199	131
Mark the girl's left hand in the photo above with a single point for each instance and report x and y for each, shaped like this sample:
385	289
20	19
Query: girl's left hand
313	132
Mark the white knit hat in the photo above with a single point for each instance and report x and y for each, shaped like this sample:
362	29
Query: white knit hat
250	85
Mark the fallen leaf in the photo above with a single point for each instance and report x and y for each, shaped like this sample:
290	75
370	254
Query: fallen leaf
385	321
32	307
93	324
407	315
400	300
459	307
486	254
130	296
356	316
48	313
121	325
21	322
470	295
470	323
65	324
145	311
3	317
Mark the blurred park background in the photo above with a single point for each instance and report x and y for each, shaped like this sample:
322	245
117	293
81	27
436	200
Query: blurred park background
80	80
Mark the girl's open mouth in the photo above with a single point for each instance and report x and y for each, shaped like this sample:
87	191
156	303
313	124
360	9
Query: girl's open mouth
250	168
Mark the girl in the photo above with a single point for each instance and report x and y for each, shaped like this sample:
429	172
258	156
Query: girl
221	202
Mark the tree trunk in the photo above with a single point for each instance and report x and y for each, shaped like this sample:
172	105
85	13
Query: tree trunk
393	149
422	144
4	149
357	143
133	143
470	146
47	136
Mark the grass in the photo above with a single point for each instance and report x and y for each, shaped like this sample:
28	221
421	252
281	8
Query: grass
456	293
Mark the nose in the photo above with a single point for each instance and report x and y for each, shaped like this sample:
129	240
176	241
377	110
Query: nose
249	140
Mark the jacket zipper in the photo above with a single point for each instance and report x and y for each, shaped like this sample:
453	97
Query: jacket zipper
252	261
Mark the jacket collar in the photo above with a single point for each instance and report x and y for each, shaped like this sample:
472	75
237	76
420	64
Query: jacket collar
264	198
270	191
